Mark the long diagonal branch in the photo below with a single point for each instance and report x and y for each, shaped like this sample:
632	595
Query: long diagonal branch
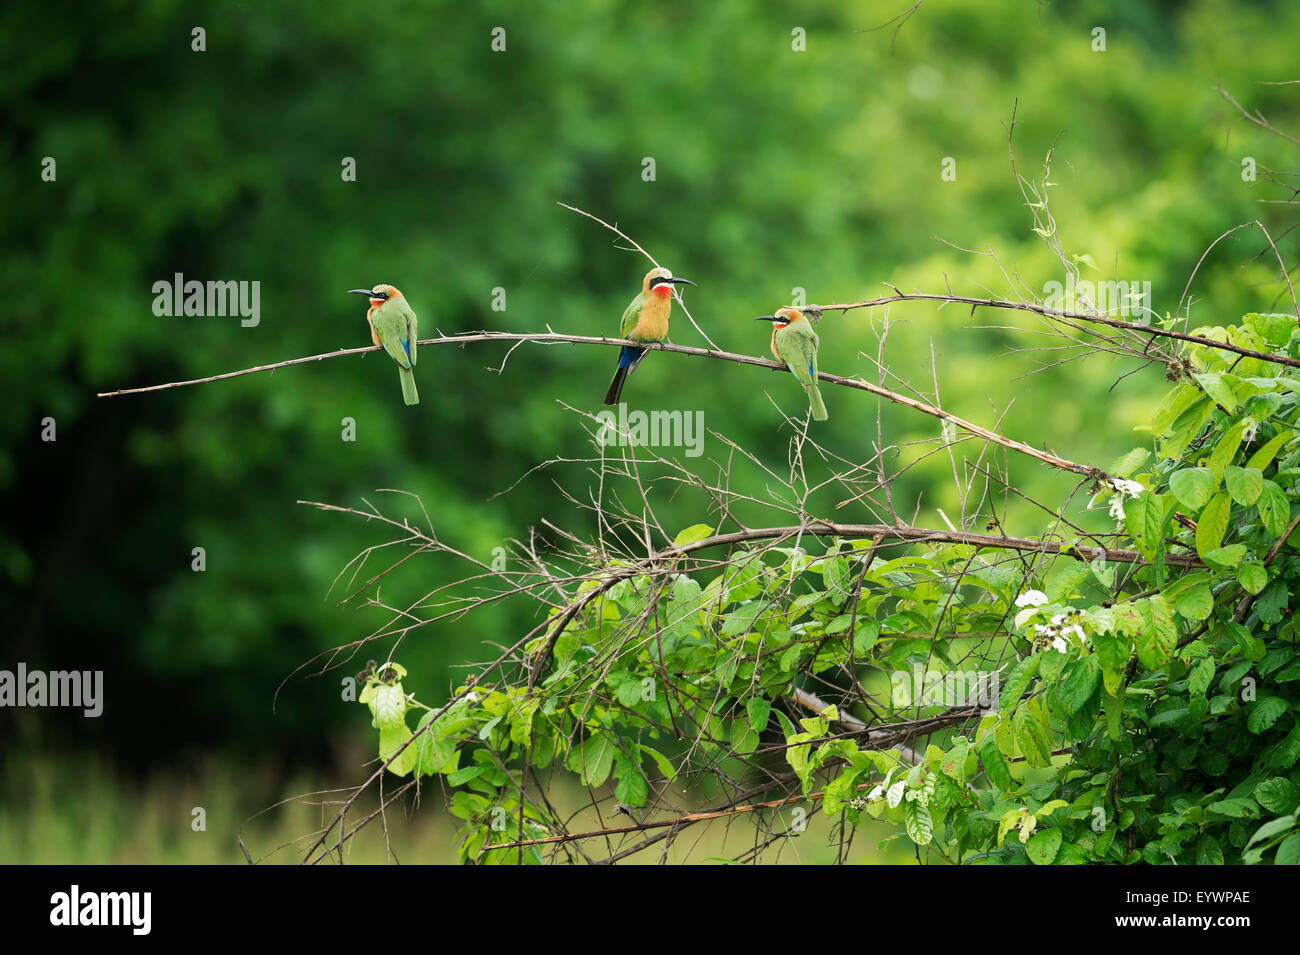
552	338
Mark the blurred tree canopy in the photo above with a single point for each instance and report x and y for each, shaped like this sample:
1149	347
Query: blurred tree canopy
775	170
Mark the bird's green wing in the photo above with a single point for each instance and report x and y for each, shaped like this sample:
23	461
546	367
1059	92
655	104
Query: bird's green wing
630	316
392	326
412	331
798	347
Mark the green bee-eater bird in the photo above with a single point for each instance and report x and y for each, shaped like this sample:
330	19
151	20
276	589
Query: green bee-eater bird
795	343
393	327
645	320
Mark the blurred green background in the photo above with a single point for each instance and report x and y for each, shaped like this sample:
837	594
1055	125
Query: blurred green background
775	169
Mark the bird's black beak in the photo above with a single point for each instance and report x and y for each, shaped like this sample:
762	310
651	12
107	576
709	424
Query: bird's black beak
766	318
677	281
361	291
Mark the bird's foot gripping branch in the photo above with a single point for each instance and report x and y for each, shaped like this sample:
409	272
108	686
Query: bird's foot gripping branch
1147	696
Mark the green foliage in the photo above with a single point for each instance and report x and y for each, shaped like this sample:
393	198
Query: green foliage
1149	712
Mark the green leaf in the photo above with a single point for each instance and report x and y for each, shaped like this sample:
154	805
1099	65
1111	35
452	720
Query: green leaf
1202	675
1080	683
1274	509
632	788
593	759
1004	734
1278	794
1244	484
1229	557
1208	851
661	761
953	763
1043	846
1272	828
759	711
1218	389
1018	680
1225	450
1288	853
1264	713
1271	602
1212	523
1127	465
1196	603
1253	577
744	740
692	535
1264	456
995	766
1064	578
391	739
917	821
1143	517
1155	644
1234	808
1286	753
1032	736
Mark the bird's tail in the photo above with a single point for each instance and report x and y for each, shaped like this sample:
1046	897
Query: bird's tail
815	401
409	394
627	359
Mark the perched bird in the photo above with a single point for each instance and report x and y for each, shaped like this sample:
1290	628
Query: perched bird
393	326
645	320
795	343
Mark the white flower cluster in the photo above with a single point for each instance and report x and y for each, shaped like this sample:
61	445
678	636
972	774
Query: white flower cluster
1059	627
1122	489
1031	598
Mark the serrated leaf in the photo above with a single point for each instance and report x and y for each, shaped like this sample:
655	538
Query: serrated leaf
1143	516
1198	681
1155	644
1043	846
692	535
1032	737
1218	389
1274	509
1127	465
1288	851
917	821
1080	683
1226	449
1264	713
1271	602
1212	523
1208	852
1253	577
1229	557
632	788
995	765
1196	603
1278	795
759	711
1264	456
1244	484
1017	681
953	763
1064	578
